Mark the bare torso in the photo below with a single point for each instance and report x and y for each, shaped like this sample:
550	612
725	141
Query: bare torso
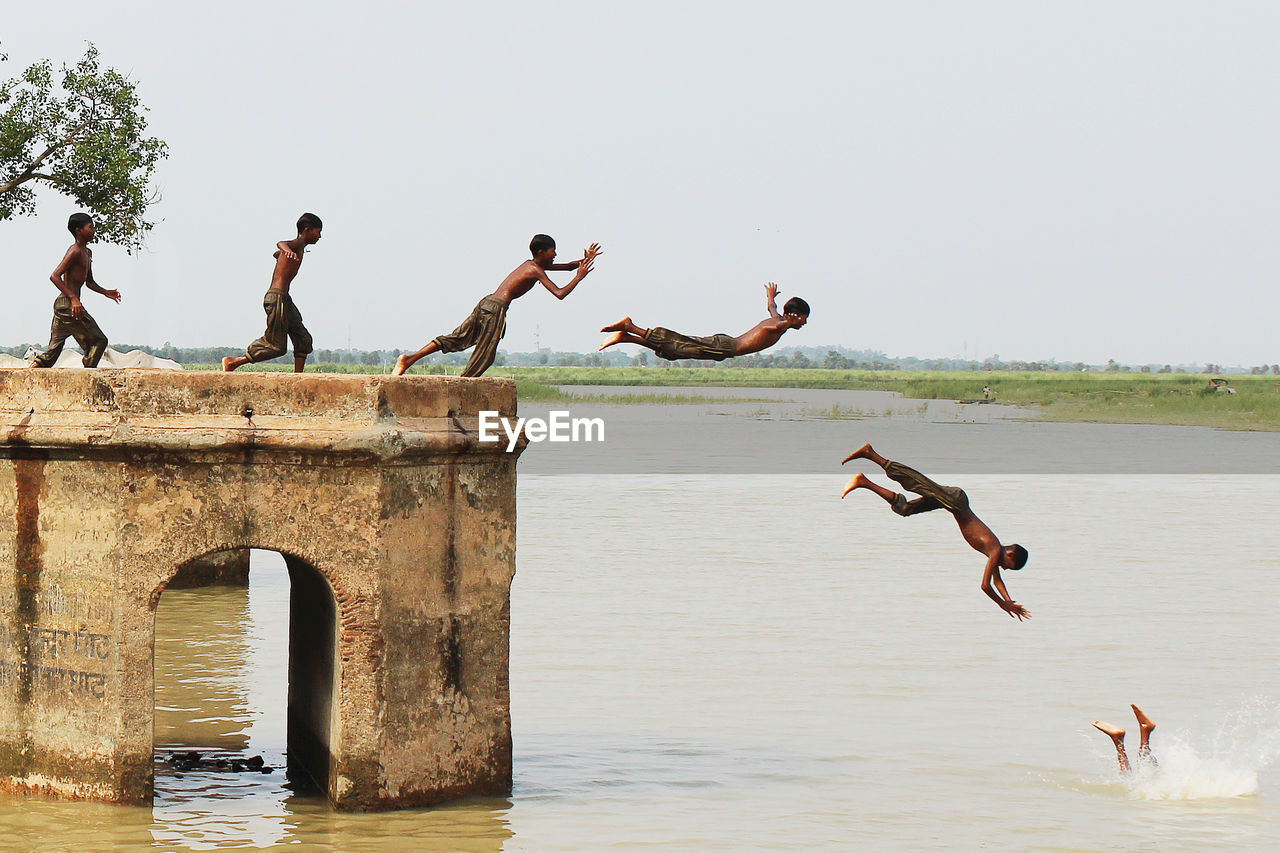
518	282
77	269
976	533
286	268
760	336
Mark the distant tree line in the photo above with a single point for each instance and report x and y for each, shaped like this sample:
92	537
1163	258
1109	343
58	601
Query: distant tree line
792	358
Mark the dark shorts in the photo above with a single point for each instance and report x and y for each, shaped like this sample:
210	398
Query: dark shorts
84	329
673	345
284	324
932	496
483	329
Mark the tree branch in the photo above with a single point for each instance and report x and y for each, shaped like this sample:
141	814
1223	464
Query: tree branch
29	172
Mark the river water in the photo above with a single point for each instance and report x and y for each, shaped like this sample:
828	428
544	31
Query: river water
743	661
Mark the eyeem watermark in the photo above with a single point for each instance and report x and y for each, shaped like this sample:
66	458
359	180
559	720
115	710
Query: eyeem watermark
559	426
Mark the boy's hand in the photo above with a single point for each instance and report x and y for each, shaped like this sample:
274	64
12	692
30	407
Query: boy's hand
110	294
77	308
591	251
771	290
585	267
1013	608
288	253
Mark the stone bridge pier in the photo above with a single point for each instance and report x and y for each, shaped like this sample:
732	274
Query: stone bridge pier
396	523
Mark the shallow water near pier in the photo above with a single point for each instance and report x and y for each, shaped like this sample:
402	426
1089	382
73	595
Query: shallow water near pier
739	661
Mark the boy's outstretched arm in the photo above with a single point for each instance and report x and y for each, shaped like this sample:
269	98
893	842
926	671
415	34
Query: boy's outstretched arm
990	576
94	286
771	295
283	248
584	267
588	255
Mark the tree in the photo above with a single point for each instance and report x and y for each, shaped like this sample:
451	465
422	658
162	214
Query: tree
84	136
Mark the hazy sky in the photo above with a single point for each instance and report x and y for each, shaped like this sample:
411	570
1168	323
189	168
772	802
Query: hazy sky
1083	180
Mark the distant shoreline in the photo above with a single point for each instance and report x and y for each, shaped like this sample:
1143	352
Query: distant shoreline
1171	399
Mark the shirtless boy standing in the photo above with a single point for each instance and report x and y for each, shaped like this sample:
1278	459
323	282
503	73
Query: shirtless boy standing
284	321
69	317
954	500
488	321
673	345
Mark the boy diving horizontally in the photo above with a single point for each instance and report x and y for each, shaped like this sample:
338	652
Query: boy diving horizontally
954	500
673	345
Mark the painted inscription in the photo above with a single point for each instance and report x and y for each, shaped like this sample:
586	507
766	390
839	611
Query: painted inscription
55	678
56	660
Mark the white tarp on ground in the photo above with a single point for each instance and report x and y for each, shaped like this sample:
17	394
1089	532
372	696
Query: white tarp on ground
110	358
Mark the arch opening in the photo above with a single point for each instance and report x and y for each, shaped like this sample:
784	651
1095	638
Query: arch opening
244	666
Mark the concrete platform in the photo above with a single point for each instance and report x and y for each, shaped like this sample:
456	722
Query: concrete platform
396	523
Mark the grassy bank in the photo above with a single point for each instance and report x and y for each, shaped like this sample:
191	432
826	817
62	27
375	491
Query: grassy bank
1183	399
1169	398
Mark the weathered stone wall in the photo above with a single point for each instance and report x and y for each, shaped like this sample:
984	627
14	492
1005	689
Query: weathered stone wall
375	489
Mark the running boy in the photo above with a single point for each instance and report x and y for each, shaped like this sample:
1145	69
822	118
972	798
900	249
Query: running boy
673	345
488	321
284	322
955	501
69	317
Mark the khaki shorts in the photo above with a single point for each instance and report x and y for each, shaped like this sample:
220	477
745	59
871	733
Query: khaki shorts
932	496
673	345
483	329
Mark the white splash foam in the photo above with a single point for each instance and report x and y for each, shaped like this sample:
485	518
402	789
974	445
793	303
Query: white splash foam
1245	744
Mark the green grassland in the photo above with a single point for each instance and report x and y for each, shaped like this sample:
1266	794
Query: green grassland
1153	398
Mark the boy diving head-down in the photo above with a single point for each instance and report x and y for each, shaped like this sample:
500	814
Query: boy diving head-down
954	500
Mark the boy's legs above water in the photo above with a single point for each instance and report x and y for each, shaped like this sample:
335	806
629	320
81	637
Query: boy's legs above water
1117	738
1145	728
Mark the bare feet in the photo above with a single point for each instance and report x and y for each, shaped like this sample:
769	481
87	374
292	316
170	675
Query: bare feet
861	453
615	338
402	364
226	364
859	481
1144	722
1114	732
620	326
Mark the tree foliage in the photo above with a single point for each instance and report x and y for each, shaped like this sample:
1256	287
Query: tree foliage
83	133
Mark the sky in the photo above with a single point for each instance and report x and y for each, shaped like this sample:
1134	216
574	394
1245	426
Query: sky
1066	181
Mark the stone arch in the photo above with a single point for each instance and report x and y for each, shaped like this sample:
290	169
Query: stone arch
313	663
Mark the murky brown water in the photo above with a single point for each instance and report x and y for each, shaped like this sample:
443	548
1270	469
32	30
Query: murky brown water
737	661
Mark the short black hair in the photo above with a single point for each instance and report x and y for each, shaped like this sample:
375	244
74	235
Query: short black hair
540	243
1019	556
309	220
796	305
77	221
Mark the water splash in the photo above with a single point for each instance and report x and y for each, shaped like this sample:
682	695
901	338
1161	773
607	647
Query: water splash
1245	743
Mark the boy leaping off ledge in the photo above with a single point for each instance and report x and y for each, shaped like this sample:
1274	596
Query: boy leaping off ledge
488	321
954	500
673	345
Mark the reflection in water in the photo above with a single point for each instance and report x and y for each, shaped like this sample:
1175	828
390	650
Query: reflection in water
222	685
